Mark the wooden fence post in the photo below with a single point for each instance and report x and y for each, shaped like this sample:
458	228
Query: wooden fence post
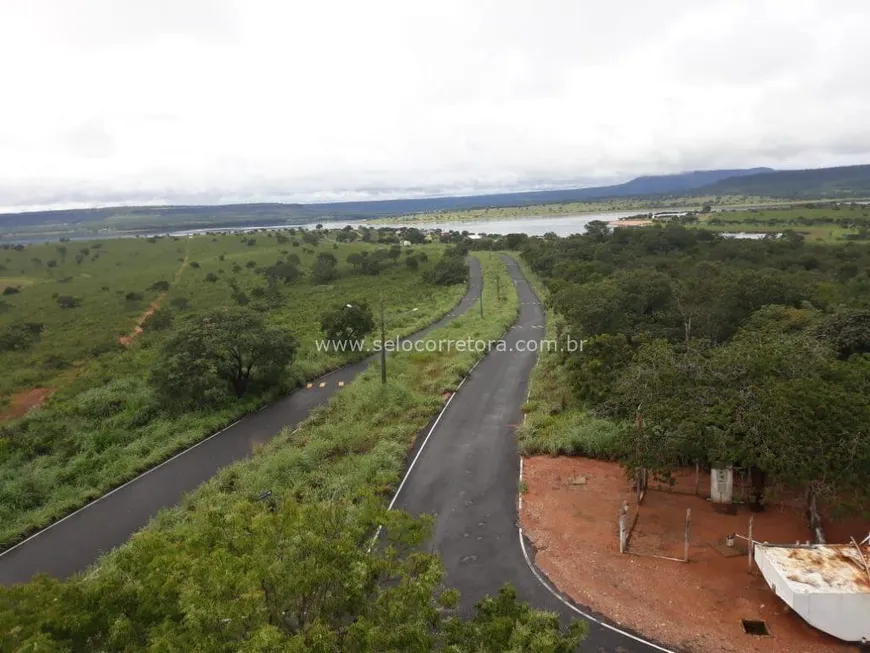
751	545
686	543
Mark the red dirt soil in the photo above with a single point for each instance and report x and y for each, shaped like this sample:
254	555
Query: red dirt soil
23	402
570	513
153	306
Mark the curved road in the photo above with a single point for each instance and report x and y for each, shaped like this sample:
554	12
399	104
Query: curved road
466	475
76	541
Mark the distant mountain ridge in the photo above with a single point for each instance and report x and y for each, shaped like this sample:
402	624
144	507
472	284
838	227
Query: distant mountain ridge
840	182
847	181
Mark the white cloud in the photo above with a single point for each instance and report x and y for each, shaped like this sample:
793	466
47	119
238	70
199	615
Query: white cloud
203	100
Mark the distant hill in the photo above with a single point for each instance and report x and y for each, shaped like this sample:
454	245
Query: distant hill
673	184
145	218
843	182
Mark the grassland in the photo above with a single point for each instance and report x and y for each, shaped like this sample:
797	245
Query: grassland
824	223
352	447
577	208
103	417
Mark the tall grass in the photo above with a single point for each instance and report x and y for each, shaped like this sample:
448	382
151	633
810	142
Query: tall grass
104	425
356	445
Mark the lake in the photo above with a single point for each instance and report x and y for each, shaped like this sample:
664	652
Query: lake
564	225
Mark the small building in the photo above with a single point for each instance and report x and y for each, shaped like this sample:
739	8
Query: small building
669	215
828	585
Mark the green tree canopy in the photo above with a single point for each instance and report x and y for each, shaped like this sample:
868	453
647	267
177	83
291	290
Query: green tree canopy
221	353
346	323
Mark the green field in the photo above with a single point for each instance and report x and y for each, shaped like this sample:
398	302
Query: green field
576	208
827	223
214	571
103	423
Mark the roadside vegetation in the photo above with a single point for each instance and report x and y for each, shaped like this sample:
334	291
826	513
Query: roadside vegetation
119	409
710	350
273	553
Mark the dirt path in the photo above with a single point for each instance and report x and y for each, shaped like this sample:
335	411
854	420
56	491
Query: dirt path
23	402
153	306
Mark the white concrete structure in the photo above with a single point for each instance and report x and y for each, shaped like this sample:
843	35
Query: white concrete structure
828	585
722	485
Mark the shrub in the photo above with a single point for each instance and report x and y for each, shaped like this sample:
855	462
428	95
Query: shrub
325	268
179	303
160	286
211	277
134	296
68	301
159	320
449	270
18	337
348	323
194	264
11	290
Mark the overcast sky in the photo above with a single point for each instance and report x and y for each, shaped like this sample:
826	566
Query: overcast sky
134	101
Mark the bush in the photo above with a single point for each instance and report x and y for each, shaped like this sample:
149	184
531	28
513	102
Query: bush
18	337
160	286
451	269
325	268
179	303
194	264
211	277
134	296
159	320
68	301
348	323
11	290
54	362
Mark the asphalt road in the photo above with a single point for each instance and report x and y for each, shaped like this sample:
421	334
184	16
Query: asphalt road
466	475
73	543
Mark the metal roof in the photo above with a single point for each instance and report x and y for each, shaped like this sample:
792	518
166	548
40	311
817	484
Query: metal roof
821	568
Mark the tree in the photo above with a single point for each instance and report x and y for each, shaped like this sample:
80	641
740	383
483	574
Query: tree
159	320
283	271
18	337
414	236
325	268
290	576
223	352
848	331
345	324
451	269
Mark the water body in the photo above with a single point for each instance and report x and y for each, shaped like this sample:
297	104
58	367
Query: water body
565	225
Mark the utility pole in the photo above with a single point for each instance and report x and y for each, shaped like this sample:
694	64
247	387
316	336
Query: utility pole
383	341
481	299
